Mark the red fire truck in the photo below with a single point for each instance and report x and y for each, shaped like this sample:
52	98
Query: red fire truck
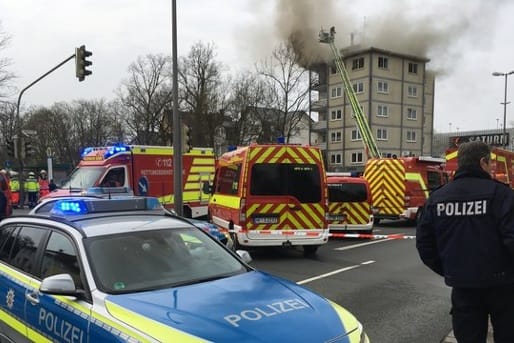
143	170
400	186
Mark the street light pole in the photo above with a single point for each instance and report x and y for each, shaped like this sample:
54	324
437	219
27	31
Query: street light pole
504	103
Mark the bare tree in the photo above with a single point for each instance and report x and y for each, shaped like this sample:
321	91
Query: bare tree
248	95
144	97
203	96
288	82
5	75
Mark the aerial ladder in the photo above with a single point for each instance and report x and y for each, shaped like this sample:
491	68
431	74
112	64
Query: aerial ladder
362	123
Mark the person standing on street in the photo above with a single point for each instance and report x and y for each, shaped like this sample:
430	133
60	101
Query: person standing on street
31	187
43	184
466	235
3	202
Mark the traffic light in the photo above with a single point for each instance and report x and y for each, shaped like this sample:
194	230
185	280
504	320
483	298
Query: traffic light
187	139
11	150
28	148
81	63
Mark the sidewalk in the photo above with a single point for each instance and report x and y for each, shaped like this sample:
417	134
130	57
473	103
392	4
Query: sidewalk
451	338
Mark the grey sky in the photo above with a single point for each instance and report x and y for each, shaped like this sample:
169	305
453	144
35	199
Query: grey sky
465	40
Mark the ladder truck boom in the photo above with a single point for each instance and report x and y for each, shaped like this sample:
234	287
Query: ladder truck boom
362	123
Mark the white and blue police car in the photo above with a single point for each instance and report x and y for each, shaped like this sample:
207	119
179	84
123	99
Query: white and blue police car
124	270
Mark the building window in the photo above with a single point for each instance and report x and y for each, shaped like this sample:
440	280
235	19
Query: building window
358	63
411	136
413	68
412	91
336	159
383	111
358	87
333	69
412	114
336	92
383	62
336	136
336	115
356	135
382	134
357	157
382	87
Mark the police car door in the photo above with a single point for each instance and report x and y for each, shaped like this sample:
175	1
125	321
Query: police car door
57	318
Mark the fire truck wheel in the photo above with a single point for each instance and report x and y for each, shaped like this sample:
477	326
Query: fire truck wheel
310	249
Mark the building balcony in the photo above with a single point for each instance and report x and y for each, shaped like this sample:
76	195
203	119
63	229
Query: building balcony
319	105
320	125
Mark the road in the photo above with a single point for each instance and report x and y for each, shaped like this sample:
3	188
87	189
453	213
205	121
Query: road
382	282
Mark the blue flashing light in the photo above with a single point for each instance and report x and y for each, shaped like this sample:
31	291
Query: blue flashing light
153	203
281	140
231	148
70	207
86	151
113	150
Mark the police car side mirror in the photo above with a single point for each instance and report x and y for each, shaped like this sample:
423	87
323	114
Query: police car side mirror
60	284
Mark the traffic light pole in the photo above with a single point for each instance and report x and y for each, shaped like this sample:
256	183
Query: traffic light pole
20	158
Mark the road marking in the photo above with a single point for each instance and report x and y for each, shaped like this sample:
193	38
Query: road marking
322	276
363	244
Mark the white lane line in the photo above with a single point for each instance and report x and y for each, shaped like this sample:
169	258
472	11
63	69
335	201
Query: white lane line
363	244
333	272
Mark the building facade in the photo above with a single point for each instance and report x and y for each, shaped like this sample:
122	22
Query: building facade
396	94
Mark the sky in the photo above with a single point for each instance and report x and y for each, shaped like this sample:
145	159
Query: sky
466	41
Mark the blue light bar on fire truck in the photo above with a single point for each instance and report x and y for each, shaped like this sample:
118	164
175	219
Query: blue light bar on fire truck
112	150
70	207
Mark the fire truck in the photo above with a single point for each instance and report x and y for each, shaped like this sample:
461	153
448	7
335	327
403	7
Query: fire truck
349	203
142	170
502	167
271	195
400	186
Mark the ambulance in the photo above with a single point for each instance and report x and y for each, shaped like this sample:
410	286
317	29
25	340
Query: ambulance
271	195
400	186
142	170
349	203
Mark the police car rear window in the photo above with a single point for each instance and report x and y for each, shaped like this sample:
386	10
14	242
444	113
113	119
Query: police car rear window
347	192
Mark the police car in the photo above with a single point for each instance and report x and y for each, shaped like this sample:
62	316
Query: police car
124	270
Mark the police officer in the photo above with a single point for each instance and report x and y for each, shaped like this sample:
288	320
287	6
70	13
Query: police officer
466	234
31	187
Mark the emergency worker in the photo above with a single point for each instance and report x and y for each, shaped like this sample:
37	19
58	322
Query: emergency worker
31	187
44	187
466	235
6	189
3	203
14	184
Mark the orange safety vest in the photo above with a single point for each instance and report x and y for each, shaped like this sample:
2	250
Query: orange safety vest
44	187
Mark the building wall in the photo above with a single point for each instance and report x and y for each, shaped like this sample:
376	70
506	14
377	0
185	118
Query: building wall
400	118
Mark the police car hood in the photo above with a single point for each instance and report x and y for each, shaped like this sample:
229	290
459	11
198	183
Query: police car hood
251	307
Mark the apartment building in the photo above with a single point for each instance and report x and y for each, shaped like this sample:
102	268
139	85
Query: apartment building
396	93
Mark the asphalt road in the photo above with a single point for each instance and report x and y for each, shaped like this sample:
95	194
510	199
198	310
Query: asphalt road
382	282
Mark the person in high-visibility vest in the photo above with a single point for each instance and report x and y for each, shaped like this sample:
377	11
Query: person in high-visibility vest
44	187
14	183
31	187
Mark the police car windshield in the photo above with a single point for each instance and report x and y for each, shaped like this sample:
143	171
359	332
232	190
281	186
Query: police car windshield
83	178
149	260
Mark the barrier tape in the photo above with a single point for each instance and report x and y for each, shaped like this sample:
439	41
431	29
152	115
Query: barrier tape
335	235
